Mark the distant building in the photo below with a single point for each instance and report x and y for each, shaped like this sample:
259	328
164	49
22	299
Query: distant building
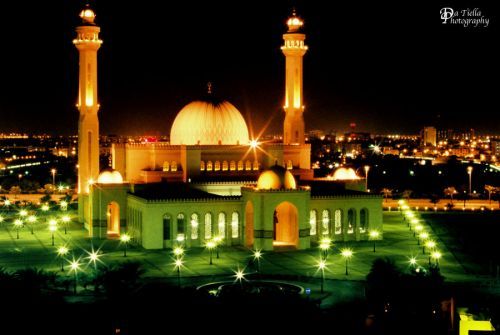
495	147
429	136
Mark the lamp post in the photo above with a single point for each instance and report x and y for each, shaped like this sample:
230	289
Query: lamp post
367	169
424	236
324	246
413	262
218	241
210	246
374	236
53	172
125	239
178	263
347	254
429	244
61	252
321	266
469	172
240	275
52	229
257	254
31	219
74	266
18	224
65	219
178	252
436	255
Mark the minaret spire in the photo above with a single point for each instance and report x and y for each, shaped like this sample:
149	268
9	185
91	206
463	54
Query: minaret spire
294	50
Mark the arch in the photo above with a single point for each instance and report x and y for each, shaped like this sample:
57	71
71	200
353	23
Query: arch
249	225
208	226
240	165
338	215
167	227
289	164
225	166
313	214
209	166
173	166
232	166
221	225
195	222
363	220
166	166
255	165
181	226
113	218
202	165
351	220
248	165
217	166
235	225
286	226
325	222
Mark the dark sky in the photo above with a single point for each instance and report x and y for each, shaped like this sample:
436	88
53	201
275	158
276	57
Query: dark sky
387	67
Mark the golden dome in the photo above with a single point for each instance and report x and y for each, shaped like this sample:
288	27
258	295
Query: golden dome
110	177
344	174
209	122
277	177
87	15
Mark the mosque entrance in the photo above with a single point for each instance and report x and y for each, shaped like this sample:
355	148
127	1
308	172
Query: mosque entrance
285	224
249	226
113	218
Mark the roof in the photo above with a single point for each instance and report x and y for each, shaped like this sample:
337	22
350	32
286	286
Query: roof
174	191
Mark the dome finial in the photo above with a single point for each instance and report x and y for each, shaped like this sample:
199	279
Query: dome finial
209	88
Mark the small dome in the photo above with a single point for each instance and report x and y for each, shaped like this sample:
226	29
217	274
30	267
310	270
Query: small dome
344	174
209	122
87	15
110	177
277	177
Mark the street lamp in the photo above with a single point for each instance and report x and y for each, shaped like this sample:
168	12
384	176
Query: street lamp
74	266
45	208
429	244
321	266
324	246
418	229
178	252
210	246
374	234
347	254
413	262
218	241
61	252
53	172
52	229
257	254
125	239
31	219
240	275
424	236
367	168
18	224
178	264
65	219
436	255
469	172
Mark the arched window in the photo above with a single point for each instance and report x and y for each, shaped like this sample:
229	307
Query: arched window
217	166
202	166
338	222
325	222
313	222
208	226
181	226
222	224
235	225
255	165
248	165
166	166
225	166
209	166
167	224
194	226
232	166
173	166
289	165
351	221
363	220
240	165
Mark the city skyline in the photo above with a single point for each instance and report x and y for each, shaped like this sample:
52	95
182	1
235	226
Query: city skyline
358	68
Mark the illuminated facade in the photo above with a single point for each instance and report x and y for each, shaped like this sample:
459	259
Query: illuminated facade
212	180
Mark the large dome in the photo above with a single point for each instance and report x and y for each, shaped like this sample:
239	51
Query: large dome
277	177
209	122
344	174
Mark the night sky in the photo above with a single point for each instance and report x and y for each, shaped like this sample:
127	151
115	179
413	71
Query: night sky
387	67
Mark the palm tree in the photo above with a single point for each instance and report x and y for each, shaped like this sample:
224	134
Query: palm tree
450	191
490	189
387	193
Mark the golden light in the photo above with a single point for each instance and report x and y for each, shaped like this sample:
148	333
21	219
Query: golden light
23	212
53	228
6	202
125	238
346	253
45	207
322	265
62	250
257	254
414	221
413	261
436	255
66	219
239	274
52	222
93	256
210	245
469	169
178	251
424	236
178	263
18	223
344	174
31	219
419	228
430	244
218	239
367	168
374	234
74	265
110	177
401	202
254	144
1	218
64	204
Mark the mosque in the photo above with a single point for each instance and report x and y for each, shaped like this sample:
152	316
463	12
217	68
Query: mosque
213	180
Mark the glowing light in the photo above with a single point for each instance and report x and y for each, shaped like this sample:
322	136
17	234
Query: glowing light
52	228
240	275
413	261
436	255
178	263
254	143
178	251
18	223
401	202
6	202
62	251
45	207
257	254
346	253
125	238
419	228
64	204
424	236
344	174
74	265
322	265
1	218
374	234
211	245
430	244
66	219
110	177
52	222
31	219
94	256
23	212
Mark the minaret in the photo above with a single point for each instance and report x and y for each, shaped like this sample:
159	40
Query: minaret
294	50
87	42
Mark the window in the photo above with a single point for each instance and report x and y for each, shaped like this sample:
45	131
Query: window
167	223
222	224
248	165
235	225
202	166
338	222
363	220
208	226
312	222
325	222
194	226
209	166
217	166
351	220
240	165
232	165
225	166
181	226
289	165
173	166
256	165
166	166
